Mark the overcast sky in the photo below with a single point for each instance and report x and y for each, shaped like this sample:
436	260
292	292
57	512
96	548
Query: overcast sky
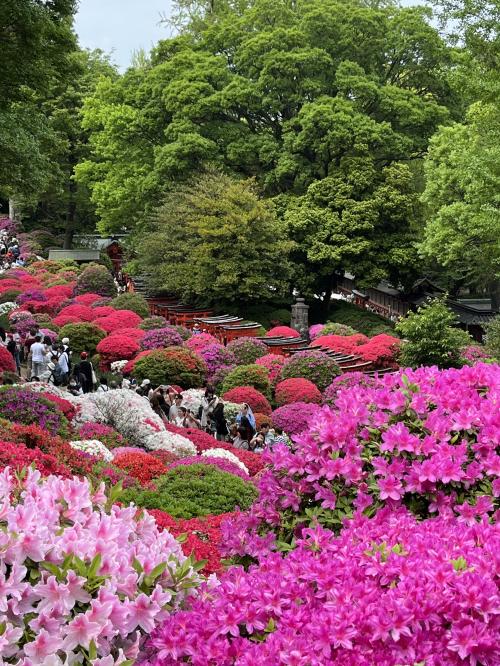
121	26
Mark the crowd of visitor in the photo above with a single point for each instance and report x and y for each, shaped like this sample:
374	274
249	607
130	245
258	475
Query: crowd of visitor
10	251
54	363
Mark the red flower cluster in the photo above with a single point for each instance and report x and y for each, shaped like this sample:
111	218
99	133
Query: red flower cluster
257	401
262	418
103	311
81	312
88	299
348	344
119	319
282	332
203	536
6	361
297	390
18	456
62	320
134	333
116	347
142	466
66	407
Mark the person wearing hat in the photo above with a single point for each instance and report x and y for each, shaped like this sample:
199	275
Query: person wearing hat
87	372
144	388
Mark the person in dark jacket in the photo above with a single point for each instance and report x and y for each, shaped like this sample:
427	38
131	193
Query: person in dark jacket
219	420
86	372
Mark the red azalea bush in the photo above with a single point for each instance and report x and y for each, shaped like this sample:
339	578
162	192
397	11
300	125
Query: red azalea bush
66	407
18	456
34	437
63	320
347	344
282	332
119	319
7	362
257	401
103	311
381	350
297	390
116	348
87	299
142	466
295	417
274	363
166	457
81	312
134	333
203	536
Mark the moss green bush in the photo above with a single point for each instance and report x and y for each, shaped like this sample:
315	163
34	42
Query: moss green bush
174	365
248	375
316	366
189	491
492	340
9	296
95	279
150	323
82	337
134	302
333	328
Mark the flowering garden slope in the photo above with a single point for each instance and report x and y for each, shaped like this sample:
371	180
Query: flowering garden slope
371	539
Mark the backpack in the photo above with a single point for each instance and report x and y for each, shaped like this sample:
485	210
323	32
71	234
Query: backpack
58	375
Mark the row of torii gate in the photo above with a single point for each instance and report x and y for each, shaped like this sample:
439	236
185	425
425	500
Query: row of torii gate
228	327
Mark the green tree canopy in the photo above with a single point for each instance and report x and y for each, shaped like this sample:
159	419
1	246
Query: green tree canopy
215	240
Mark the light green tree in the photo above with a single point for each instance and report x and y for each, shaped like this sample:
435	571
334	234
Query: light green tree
215	240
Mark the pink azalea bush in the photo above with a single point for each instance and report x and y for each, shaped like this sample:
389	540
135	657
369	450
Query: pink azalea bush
274	363
80	576
387	591
159	338
198	342
220	361
425	439
295	418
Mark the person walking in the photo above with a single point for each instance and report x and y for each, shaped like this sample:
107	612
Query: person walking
13	348
37	351
219	420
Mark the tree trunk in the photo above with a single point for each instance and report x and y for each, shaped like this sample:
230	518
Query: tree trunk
12	209
71	213
332	281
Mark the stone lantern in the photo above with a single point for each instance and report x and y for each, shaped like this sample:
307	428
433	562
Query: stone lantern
300	317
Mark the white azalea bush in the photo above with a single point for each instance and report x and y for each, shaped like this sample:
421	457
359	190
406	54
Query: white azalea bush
5	308
226	455
191	399
132	416
94	447
83	580
117	366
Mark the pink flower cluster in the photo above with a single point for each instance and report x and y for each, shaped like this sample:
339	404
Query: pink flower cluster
77	577
426	439
387	591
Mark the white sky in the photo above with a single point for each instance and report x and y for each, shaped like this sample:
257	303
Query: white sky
121	27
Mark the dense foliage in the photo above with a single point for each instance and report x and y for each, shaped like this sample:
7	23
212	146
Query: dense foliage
82	337
248	375
134	302
316	366
174	365
195	490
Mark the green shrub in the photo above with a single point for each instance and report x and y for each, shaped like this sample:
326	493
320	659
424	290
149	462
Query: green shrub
431	338
134	302
492	339
9	296
316	366
267	314
189	491
360	320
248	375
174	365
334	328
82	337
151	323
95	279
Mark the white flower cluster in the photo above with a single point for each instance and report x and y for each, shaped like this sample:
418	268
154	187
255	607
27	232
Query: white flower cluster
191	399
231	409
94	447
132	416
118	366
7	307
227	455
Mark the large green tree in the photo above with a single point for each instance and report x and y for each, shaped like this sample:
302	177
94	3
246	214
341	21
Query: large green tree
292	94
215	240
36	39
